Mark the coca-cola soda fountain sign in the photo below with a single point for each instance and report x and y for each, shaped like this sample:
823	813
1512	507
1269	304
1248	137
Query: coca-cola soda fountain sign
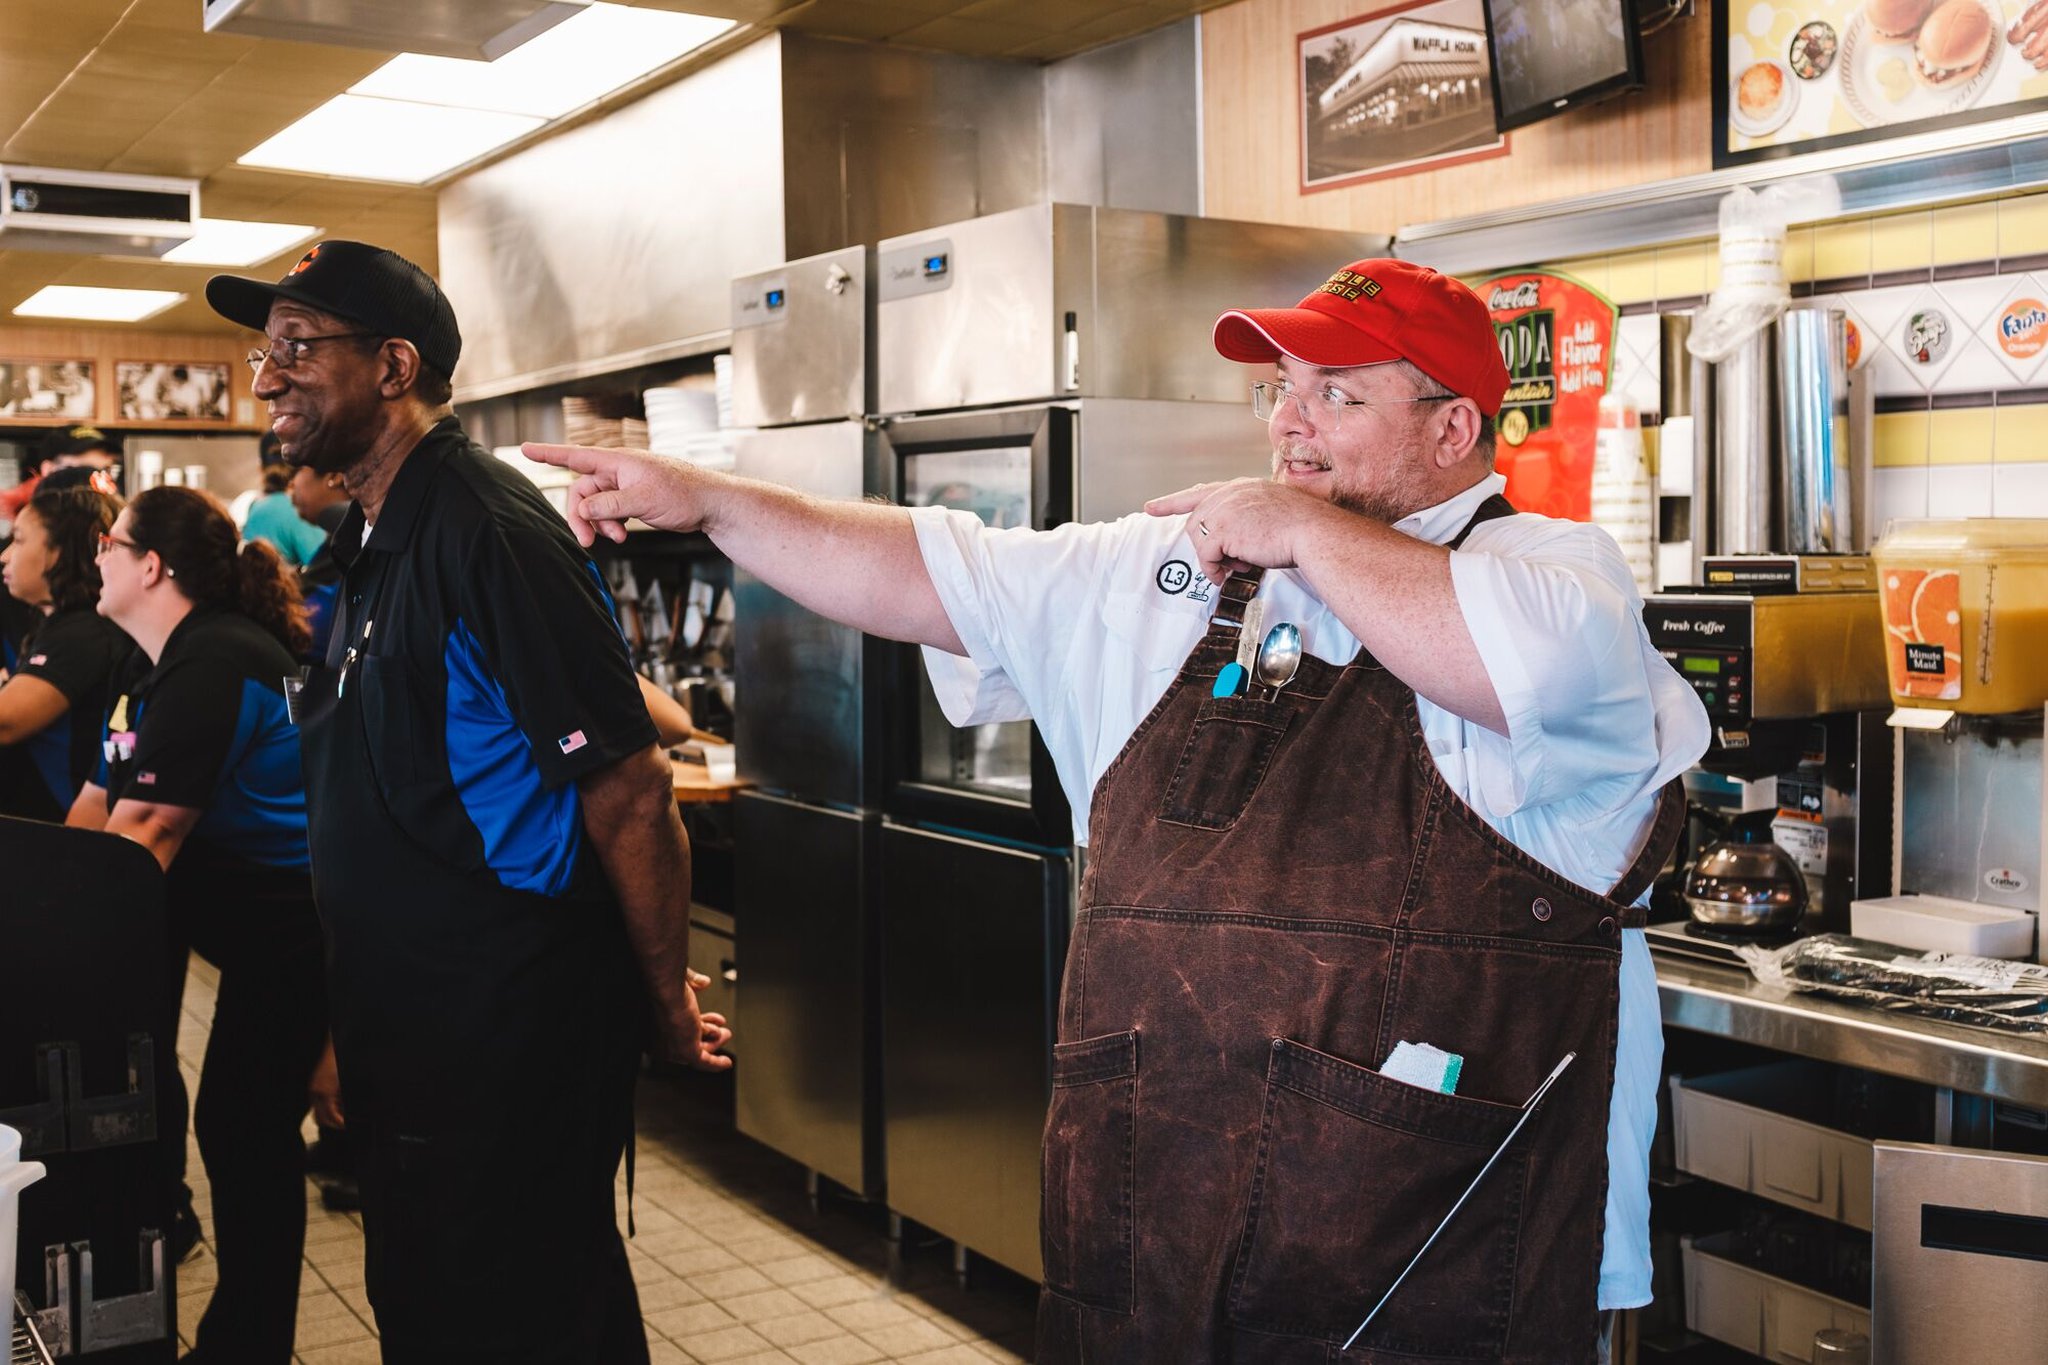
1557	337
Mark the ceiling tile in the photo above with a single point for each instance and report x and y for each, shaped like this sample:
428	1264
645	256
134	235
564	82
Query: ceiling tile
864	20
985	39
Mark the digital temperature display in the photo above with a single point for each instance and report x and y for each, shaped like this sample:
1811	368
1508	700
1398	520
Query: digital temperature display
1694	663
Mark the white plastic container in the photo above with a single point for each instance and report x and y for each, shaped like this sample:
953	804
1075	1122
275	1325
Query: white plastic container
16	1175
1755	1312
1937	924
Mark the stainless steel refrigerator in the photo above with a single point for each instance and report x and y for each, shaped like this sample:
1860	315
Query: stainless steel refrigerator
1040	366
806	835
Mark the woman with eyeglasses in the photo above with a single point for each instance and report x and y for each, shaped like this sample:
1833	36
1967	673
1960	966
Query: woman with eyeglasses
201	766
56	667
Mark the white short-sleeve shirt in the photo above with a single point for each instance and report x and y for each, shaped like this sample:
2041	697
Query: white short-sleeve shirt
1083	628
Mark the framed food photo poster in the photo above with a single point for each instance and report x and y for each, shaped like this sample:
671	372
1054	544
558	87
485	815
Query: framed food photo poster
1793	76
1399	89
172	391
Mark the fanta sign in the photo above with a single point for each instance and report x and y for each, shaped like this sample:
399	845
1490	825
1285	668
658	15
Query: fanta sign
2023	328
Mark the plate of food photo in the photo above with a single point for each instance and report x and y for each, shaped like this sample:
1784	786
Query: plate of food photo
1761	98
1905	60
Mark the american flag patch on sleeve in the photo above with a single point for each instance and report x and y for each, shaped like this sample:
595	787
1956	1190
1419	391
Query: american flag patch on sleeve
571	742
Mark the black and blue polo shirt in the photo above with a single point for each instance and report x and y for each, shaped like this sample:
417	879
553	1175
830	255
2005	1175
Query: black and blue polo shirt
74	651
206	727
474	676
475	648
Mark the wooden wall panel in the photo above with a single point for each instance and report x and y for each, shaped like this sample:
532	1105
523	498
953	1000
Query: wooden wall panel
104	346
1252	130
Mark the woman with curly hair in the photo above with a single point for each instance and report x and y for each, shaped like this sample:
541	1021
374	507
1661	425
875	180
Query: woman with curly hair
56	671
202	768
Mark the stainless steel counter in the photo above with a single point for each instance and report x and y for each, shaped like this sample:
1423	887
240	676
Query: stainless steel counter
1730	1003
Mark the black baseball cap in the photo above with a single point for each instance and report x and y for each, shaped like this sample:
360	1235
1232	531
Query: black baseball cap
77	441
369	285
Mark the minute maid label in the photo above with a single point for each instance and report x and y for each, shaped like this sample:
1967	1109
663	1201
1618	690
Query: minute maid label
1923	625
1349	284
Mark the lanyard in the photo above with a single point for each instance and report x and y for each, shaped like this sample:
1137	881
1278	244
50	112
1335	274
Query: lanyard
350	645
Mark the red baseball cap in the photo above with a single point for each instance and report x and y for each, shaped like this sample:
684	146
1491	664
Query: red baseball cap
1371	312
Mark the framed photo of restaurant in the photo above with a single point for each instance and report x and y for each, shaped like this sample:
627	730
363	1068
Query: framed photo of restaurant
172	390
60	389
1811	75
1395	90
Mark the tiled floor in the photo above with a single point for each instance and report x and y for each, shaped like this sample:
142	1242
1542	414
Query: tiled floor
733	1265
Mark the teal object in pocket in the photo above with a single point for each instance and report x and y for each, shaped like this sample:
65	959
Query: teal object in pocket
1229	682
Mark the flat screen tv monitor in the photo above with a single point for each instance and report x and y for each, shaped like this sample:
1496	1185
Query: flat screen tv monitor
1552	55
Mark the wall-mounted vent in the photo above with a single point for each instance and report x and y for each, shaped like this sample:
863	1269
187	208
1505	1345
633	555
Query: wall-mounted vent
94	212
482	30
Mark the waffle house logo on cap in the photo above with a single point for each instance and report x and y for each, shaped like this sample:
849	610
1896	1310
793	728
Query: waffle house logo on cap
304	261
1349	285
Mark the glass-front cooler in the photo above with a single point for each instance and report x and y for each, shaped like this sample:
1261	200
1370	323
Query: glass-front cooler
1010	468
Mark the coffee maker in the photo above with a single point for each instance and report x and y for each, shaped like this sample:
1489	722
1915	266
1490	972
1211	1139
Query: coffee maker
1780	632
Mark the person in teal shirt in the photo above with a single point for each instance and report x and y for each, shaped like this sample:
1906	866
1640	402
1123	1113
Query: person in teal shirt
272	518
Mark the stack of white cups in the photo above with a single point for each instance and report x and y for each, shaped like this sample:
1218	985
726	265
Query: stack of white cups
16	1175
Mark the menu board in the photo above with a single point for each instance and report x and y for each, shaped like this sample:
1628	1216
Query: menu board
1816	74
1557	337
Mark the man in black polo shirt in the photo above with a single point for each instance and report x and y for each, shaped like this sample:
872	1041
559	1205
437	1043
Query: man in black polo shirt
496	852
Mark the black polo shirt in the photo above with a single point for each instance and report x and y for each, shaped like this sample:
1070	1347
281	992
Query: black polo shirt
206	727
475	643
74	651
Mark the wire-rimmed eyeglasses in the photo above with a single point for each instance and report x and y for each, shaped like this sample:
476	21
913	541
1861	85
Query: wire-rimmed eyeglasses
285	352
1325	406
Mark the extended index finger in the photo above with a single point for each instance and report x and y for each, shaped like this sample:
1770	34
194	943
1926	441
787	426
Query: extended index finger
1186	500
582	459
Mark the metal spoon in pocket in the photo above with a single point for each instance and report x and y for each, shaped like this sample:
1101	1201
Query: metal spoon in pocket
1279	658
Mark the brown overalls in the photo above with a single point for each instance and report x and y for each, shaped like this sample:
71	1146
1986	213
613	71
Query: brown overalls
1278	892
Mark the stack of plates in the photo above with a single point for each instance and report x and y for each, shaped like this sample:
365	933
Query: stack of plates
721	377
587	422
675	414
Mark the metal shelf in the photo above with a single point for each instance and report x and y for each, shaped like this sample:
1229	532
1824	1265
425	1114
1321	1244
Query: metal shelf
1730	1003
1944	167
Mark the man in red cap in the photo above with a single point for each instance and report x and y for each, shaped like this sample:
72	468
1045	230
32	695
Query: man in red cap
1374	773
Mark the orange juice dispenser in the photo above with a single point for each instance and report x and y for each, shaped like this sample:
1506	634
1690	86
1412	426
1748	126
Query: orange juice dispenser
1965	617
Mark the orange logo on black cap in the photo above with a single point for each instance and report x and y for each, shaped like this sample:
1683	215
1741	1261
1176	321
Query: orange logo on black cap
304	261
1349	284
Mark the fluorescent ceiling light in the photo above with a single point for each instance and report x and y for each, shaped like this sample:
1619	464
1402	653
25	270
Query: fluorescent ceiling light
583	58
96	305
393	140
230	241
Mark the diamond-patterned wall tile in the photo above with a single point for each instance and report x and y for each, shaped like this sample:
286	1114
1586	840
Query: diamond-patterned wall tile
1639	361
1926	337
2017	331
1883	309
1974	302
1973	367
1890	376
